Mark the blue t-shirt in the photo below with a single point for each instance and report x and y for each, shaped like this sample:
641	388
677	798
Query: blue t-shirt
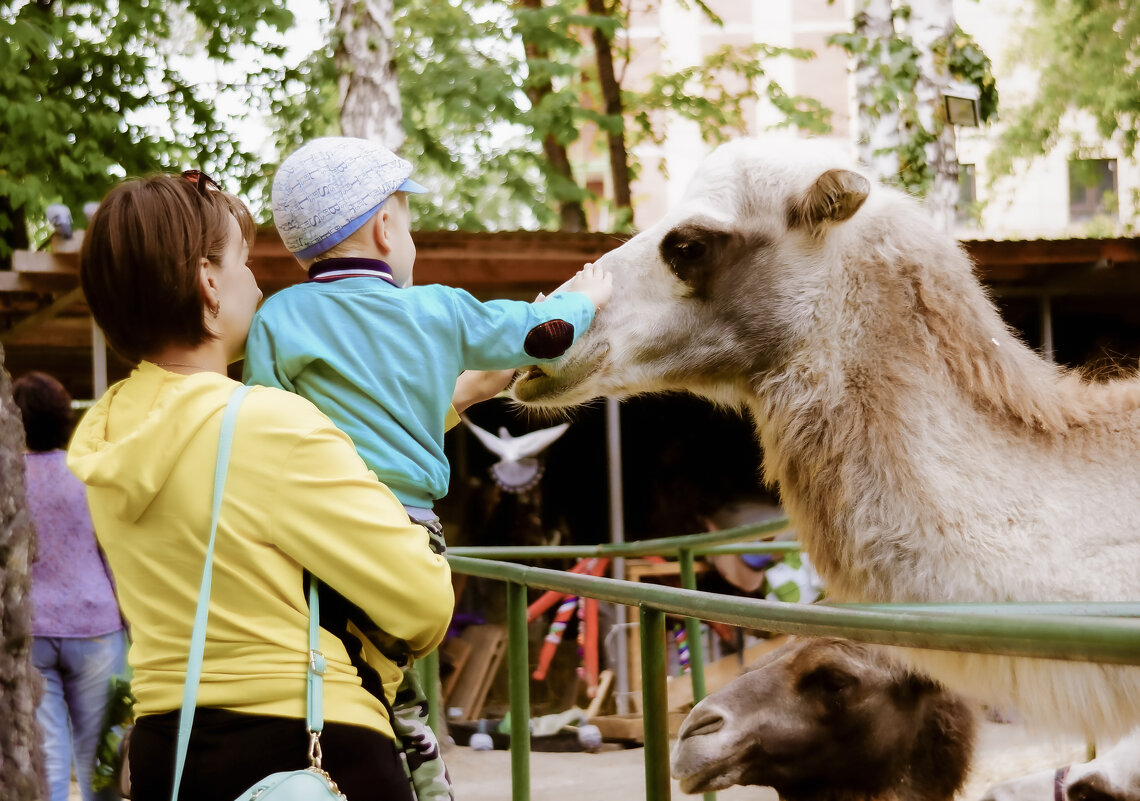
382	361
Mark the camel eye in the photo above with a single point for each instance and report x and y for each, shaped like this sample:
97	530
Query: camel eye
685	251
826	681
689	251
677	249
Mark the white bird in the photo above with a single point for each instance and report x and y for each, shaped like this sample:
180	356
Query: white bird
59	216
517	470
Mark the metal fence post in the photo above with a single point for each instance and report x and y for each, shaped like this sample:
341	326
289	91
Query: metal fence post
693	635
693	628
654	705
428	668
1086	632
518	664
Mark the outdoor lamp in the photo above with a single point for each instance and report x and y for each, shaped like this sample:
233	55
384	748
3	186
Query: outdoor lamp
961	100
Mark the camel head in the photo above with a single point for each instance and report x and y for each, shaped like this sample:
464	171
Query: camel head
1113	776
719	290
828	719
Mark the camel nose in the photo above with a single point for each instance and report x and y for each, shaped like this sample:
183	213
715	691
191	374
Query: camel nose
701	721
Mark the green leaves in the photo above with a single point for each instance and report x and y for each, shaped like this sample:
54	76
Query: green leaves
91	91
78	79
894	90
1086	59
484	83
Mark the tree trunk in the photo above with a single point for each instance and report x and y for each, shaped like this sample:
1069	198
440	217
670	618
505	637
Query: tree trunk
15	236
611	96
21	758
369	92
571	211
932	27
877	127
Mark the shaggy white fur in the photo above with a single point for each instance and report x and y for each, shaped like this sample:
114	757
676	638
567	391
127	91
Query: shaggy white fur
1112	776
923	452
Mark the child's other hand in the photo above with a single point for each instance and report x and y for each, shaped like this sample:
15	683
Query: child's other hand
473	386
593	282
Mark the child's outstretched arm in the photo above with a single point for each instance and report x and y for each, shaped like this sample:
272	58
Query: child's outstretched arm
497	334
473	386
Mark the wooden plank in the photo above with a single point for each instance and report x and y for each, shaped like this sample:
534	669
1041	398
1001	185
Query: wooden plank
456	651
605	686
42	316
44	283
42	261
631	728
720	673
637	569
488	642
1052	251
73	333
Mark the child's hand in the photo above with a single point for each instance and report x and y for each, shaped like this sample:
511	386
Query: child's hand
473	386
593	282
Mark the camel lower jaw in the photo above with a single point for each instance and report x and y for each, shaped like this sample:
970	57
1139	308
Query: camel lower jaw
556	386
705	763
536	388
705	781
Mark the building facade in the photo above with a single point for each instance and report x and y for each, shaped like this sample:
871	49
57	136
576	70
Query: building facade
1089	190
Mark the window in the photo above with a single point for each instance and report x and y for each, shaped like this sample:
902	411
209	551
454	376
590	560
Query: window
1092	189
965	210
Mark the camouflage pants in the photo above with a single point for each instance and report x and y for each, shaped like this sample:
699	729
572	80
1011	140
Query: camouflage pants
410	716
418	742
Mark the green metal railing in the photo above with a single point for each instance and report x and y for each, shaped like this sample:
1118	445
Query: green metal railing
1080	632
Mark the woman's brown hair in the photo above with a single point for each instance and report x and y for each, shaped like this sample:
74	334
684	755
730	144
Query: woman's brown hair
140	256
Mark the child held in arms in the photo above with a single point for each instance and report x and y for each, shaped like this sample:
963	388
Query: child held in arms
390	363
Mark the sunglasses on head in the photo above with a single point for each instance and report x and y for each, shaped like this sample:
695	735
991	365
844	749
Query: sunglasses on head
202	181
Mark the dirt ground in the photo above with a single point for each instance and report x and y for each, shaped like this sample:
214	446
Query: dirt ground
1005	751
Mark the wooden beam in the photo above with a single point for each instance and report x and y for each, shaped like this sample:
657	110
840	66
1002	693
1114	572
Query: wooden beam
518	264
62	331
41	261
1040	252
42	316
1079	280
43	283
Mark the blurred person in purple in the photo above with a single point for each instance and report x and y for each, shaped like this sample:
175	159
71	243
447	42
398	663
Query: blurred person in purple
78	639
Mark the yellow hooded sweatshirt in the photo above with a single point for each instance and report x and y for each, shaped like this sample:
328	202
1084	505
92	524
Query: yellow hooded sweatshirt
297	497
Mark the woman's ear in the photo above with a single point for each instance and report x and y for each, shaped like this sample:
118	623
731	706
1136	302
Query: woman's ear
208	286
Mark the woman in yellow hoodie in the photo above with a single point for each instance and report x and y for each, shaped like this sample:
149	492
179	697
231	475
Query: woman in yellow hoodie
164	270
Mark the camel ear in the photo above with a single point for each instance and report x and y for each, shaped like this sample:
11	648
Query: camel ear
834	197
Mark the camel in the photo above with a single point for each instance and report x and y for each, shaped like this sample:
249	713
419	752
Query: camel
922	451
821	719
1112	776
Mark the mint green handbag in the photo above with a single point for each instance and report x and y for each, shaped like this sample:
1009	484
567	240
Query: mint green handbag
312	783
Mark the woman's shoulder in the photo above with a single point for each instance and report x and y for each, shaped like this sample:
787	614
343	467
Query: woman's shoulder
274	408
275	428
289	440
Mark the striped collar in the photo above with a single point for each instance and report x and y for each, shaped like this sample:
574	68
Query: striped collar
329	270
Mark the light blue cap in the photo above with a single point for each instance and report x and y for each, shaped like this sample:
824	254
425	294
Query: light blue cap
324	191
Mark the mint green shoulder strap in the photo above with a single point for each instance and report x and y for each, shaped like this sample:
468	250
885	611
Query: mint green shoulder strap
198	638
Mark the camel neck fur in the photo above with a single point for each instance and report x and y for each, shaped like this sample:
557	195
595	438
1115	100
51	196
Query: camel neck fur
906	406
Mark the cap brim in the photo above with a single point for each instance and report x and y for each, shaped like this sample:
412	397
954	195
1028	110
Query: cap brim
411	186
